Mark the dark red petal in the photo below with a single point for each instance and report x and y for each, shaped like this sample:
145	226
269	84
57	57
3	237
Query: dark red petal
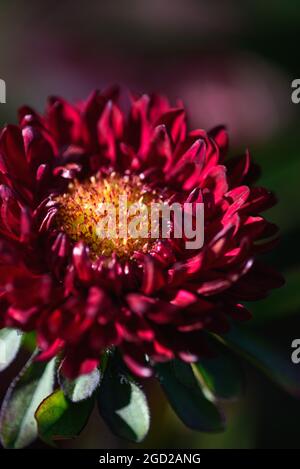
13	157
74	365
175	122
82	262
136	362
220	136
153	276
51	351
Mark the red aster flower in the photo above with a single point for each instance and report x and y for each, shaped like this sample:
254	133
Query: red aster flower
82	294
152	300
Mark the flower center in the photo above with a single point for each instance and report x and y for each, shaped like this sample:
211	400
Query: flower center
110	214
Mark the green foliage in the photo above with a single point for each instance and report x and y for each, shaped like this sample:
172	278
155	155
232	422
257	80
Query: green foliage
57	417
10	342
187	398
80	388
122	404
222	375
18	427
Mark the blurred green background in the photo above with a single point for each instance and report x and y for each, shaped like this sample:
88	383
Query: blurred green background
230	62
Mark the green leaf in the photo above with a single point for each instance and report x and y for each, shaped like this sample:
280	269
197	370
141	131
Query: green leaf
80	388
29	341
10	342
18	427
123	405
222	375
59	418
187	399
276	364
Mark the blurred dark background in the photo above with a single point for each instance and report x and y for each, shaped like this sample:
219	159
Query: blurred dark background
230	62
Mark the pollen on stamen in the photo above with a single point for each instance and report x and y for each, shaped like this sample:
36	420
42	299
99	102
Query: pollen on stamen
79	216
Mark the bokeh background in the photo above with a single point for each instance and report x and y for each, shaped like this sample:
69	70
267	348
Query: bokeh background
230	62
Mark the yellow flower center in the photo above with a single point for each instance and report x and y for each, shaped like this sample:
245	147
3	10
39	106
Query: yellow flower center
100	211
